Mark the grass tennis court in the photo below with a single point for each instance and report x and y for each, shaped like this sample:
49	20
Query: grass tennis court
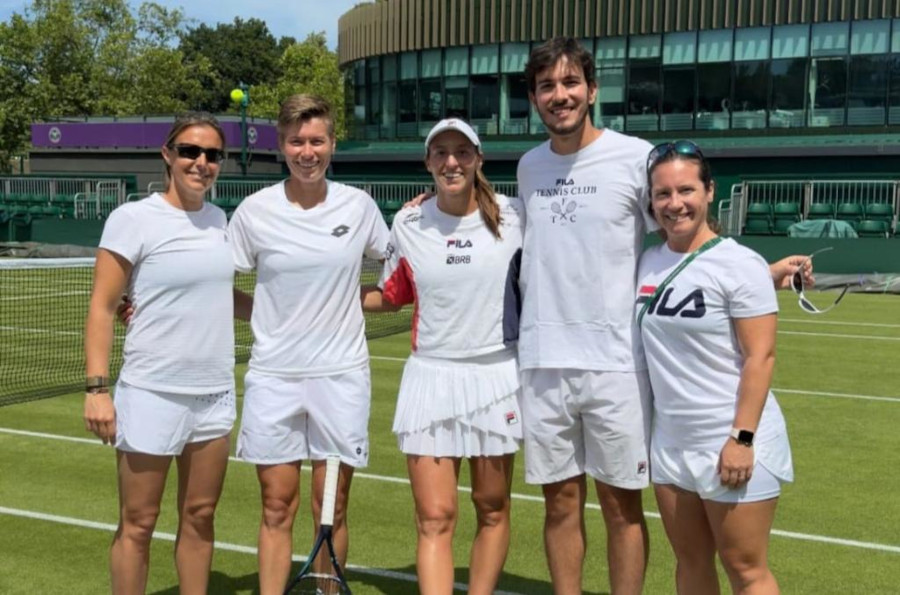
837	529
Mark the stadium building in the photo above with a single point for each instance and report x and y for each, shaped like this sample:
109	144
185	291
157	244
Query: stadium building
753	81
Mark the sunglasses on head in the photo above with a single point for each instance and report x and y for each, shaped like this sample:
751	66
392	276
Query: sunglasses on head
213	155
682	147
797	286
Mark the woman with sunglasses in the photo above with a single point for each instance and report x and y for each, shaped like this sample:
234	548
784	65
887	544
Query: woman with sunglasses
719	449
459	392
307	390
175	393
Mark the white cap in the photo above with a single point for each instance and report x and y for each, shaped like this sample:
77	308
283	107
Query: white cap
453	124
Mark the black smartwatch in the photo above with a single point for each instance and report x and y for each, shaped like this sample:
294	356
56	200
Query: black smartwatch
743	437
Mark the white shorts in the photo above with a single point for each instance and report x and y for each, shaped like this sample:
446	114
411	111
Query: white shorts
459	408
695	471
582	421
294	419
162	423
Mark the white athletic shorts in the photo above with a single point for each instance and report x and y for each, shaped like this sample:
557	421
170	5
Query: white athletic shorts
459	407
294	419
695	471
162	423
582	421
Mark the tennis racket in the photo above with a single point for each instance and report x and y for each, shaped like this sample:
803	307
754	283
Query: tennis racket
318	581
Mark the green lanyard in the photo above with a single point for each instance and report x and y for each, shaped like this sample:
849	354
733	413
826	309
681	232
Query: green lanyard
662	286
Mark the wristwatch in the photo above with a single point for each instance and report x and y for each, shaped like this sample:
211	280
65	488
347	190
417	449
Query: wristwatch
743	437
96	384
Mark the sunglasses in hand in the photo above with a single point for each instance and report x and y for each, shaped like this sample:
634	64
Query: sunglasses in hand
797	286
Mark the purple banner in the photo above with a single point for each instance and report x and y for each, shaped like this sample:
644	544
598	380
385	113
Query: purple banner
261	136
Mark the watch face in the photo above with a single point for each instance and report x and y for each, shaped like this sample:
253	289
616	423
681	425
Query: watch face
745	437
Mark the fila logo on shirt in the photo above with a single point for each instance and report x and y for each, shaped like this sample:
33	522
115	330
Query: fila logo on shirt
459	244
453	244
692	306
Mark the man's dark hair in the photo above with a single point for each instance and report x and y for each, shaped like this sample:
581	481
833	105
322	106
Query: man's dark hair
549	53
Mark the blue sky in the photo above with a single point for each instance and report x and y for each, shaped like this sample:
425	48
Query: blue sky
296	18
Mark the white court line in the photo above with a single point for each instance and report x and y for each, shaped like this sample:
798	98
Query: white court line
219	545
775	390
836	336
838	323
38	296
515	496
39	331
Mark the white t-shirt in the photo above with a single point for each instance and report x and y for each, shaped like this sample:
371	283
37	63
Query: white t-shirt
307	318
693	354
457	273
181	336
587	216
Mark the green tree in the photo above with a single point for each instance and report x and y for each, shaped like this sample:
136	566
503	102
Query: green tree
242	51
307	67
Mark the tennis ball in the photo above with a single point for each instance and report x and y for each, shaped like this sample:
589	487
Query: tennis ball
237	95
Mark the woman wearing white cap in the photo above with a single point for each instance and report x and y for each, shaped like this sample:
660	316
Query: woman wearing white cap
458	396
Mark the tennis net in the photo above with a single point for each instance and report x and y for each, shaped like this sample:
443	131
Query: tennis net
43	304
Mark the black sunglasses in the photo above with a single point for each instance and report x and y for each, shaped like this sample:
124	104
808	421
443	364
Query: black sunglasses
682	147
797	286
213	155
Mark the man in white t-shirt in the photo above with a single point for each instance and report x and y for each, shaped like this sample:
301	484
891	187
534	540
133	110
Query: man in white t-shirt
585	387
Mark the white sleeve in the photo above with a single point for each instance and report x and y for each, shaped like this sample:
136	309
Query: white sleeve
242	246
643	197
379	235
122	235
752	291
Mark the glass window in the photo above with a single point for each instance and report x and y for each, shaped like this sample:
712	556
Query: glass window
406	110
430	103
830	39
678	98
788	93
609	110
485	101
643	96
750	83
644	46
828	91
751	44
587	43
867	90
485	59
388	110
895	37
870	37
409	66
713	96
894	97
373	111
680	48
359	72
456	61
715	45
389	68
513	57
610	52
514	104
790	41
373	71
456	97
430	66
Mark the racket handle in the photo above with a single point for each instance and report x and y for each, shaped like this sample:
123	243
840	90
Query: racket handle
329	493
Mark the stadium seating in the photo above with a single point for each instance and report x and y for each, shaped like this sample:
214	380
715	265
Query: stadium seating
758	227
872	228
758	220
851	212
786	214
880	211
820	210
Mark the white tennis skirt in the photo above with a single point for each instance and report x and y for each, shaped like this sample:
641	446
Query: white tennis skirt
459	408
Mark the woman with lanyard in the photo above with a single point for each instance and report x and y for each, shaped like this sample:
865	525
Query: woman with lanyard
719	449
175	393
307	390
458	396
